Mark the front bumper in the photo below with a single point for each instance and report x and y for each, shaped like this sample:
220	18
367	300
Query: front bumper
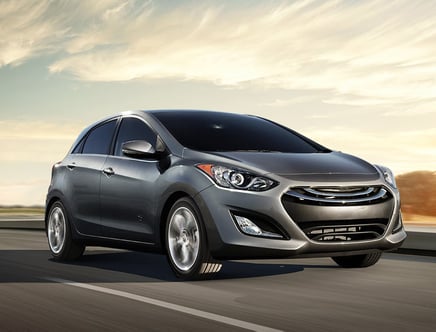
226	240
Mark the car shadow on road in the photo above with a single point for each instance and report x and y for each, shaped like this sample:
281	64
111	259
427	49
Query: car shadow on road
125	266
155	266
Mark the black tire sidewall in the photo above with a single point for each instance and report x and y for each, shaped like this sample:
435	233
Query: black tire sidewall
358	261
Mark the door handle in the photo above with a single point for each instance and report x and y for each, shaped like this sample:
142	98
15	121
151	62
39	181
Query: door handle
71	166
109	171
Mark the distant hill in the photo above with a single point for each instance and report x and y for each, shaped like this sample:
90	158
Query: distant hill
418	193
21	210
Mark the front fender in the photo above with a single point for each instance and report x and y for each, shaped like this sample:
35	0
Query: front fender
182	180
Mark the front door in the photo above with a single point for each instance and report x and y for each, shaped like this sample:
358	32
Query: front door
128	197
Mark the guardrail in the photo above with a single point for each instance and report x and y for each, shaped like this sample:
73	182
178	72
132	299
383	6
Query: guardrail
25	223
421	240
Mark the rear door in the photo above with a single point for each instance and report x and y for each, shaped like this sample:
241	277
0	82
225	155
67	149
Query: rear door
82	180
128	187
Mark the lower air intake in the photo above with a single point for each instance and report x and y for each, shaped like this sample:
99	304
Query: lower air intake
356	230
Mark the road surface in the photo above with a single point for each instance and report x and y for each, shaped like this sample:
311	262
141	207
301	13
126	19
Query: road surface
113	290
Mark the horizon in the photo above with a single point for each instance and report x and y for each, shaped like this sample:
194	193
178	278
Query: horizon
38	206
357	77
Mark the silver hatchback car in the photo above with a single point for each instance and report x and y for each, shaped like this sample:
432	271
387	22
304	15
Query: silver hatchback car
203	186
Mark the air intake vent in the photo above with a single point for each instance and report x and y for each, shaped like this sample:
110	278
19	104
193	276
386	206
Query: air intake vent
338	195
343	230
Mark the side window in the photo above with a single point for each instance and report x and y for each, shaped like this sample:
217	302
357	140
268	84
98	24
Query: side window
99	139
78	148
133	129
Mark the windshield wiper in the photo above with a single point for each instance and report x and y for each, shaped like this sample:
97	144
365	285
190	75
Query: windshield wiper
256	150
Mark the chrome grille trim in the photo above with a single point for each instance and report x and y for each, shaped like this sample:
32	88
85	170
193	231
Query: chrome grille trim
338	195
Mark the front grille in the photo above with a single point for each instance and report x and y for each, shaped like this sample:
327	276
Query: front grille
338	195
344	230
332	214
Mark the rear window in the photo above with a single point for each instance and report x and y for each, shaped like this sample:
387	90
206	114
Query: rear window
214	131
99	139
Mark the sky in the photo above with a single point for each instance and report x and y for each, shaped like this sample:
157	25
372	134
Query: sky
356	76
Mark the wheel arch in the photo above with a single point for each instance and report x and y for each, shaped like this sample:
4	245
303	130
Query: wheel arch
48	206
52	199
174	197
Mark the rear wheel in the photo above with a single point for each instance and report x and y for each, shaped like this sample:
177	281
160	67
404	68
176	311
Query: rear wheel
60	242
358	260
186	243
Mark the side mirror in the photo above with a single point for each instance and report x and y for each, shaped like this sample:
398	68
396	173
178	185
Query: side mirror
138	149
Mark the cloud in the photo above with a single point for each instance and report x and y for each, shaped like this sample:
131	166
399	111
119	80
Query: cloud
36	141
375	56
30	28
38	130
26	30
290	101
365	53
423	109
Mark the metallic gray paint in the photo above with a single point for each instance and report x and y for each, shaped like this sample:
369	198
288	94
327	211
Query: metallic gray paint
126	207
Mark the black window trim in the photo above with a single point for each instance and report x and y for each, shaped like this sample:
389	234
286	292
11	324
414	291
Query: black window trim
82	142
118	120
117	129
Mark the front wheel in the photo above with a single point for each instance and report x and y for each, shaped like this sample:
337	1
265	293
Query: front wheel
186	243
60	242
358	260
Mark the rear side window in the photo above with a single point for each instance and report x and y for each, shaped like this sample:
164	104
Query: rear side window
132	129
78	148
100	138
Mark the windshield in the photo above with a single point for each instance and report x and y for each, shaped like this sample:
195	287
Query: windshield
215	131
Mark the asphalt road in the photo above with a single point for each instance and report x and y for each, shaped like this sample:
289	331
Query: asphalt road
115	290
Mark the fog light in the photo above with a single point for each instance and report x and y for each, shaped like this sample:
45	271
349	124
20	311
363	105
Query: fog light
247	226
250	228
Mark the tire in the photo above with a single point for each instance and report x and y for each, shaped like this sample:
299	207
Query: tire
358	260
60	242
186	242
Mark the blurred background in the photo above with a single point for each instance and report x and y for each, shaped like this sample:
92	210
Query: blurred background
358	77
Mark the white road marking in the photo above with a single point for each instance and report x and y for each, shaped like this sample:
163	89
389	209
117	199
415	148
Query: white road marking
167	305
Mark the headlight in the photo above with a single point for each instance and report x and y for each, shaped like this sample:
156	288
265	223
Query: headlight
236	178
388	175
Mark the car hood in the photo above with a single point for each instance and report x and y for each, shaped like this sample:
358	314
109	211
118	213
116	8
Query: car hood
304	164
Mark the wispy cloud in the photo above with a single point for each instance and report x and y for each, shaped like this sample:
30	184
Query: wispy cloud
27	30
290	101
364	53
372	52
34	27
41	142
38	130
